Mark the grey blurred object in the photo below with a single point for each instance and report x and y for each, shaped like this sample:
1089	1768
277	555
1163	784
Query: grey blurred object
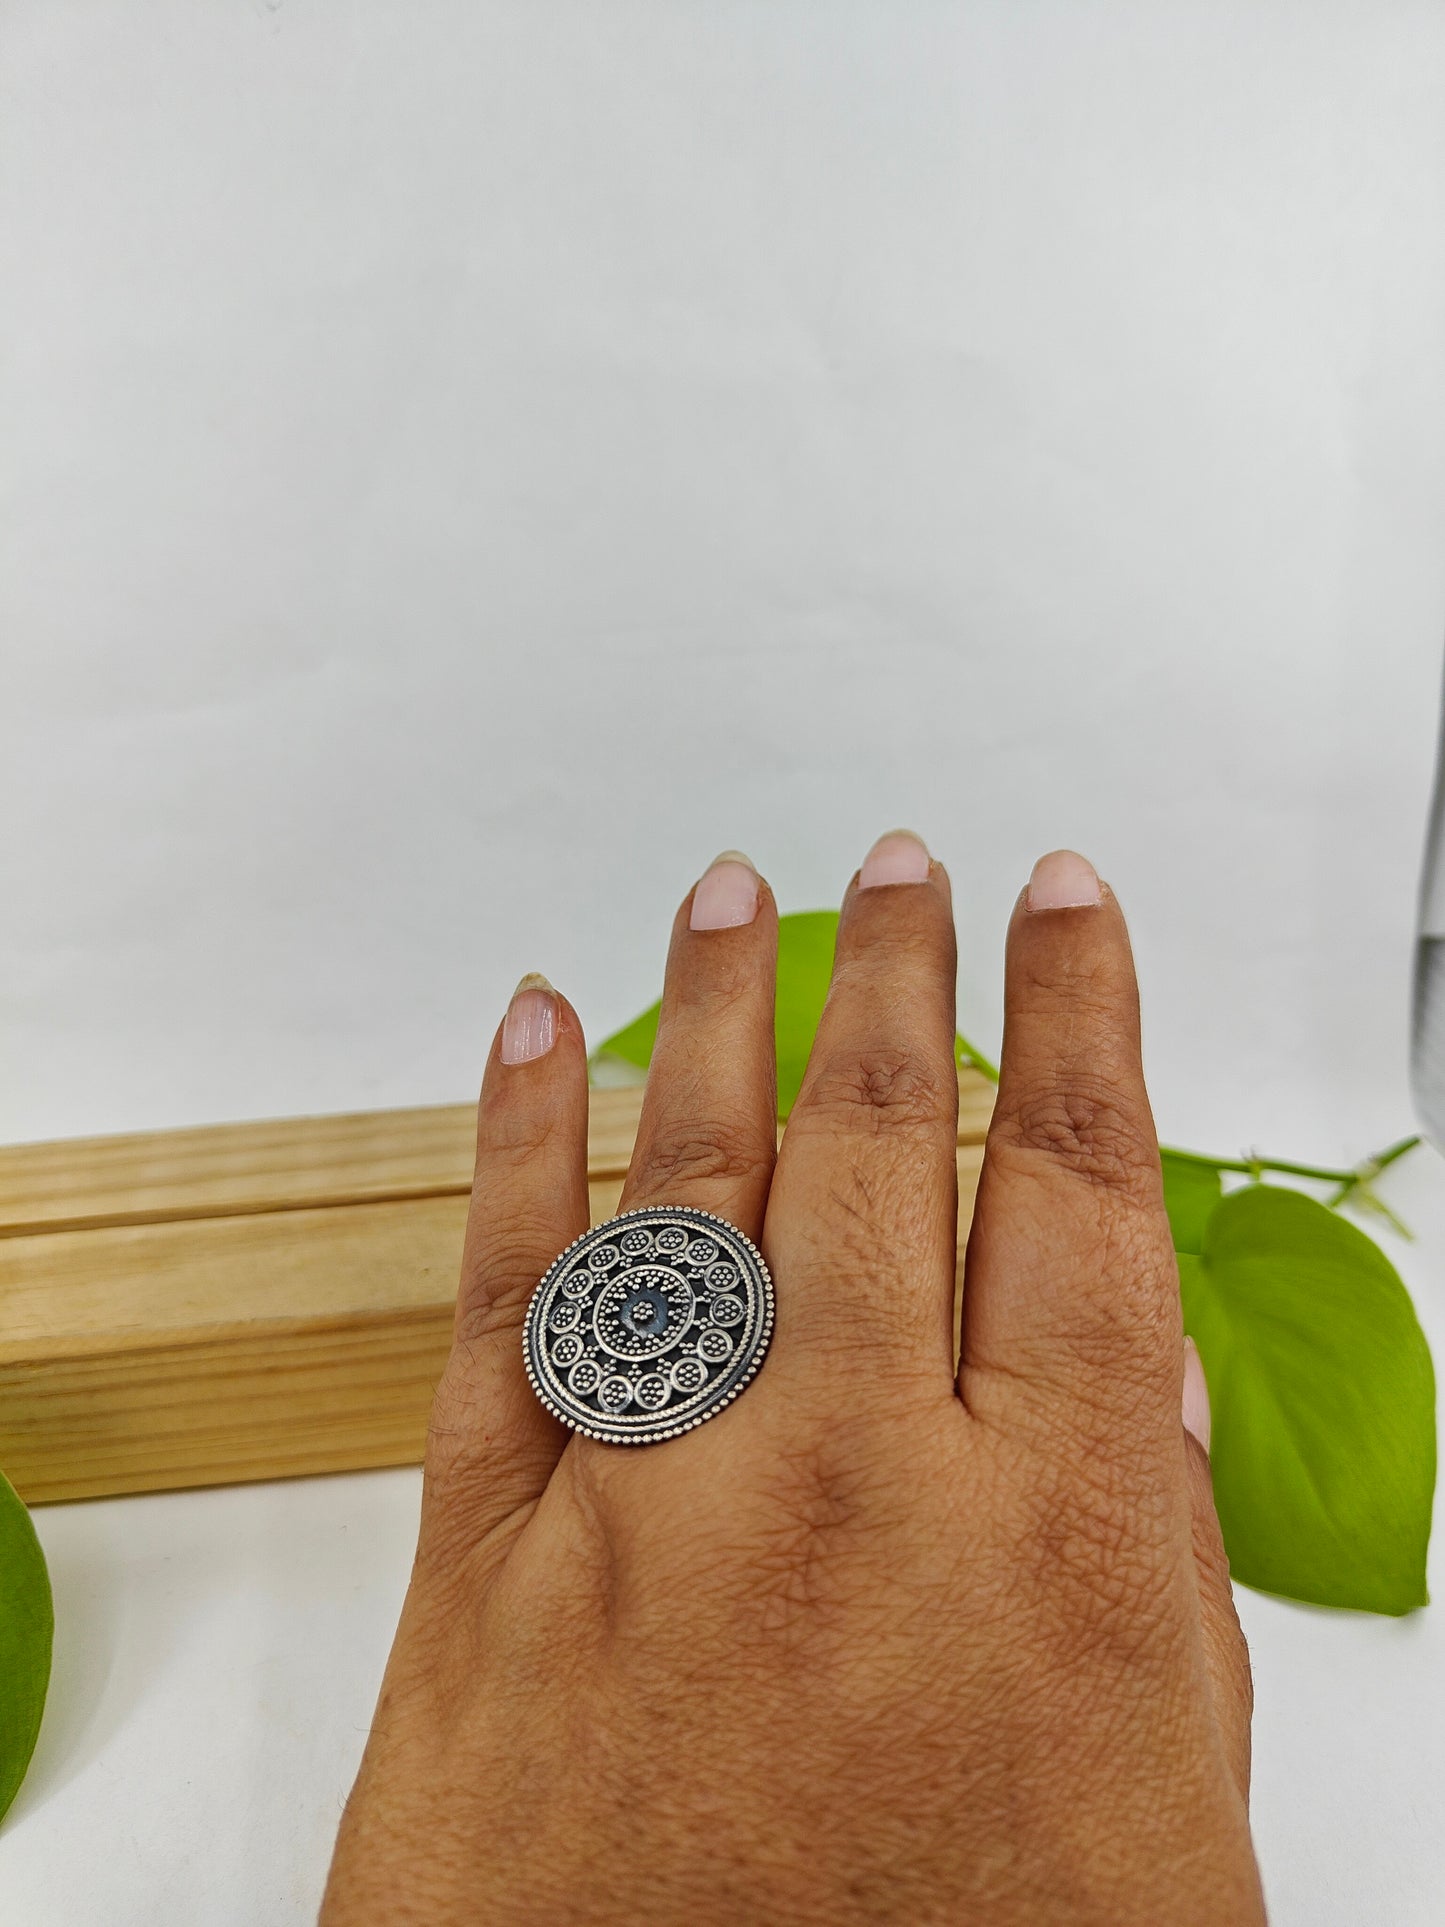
1427	1052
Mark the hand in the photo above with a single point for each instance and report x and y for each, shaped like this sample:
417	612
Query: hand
878	1643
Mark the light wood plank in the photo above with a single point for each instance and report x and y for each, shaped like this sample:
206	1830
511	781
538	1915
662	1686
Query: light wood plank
83	1292
285	1164
298	1163
268	1404
251	1301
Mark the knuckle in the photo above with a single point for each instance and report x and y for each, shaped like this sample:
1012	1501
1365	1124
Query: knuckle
887	1089
704	1154
710	995
1086	1130
511	1132
1096	984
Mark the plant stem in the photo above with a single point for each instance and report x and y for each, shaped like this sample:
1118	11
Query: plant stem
971	1054
1371	1169
1363	1173
1251	1167
1346	1182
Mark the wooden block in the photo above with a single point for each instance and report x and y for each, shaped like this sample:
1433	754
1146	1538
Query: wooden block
253	1301
222	1170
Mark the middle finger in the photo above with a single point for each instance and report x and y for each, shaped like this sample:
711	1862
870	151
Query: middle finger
862	1220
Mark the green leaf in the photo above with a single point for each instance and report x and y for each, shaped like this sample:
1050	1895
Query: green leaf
805	969
1323	1398
631	1046
1191	1192
26	1625
805	966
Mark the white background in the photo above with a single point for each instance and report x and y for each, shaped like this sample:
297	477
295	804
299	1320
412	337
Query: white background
464	464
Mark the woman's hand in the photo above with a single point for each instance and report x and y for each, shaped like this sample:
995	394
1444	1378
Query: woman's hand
877	1643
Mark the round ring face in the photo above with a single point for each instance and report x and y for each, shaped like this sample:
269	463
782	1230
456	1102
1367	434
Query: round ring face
648	1325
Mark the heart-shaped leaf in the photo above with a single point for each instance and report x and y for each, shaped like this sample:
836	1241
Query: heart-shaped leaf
1324	1403
26	1626
1191	1191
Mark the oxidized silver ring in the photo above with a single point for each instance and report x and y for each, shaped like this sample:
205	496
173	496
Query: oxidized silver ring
648	1325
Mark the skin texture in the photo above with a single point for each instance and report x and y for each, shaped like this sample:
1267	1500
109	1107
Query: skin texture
879	1643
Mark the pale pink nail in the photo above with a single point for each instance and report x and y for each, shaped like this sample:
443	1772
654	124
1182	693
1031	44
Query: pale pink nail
726	895
1196	1394
898	857
1063	880
529	1028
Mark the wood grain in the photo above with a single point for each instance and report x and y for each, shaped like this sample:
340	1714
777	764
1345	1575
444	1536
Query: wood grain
251	1301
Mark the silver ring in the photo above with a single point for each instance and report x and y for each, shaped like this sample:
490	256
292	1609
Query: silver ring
648	1325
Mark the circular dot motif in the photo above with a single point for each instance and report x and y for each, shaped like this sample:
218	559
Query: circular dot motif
727	1310
714	1346
566	1350
614	1393
585	1377
688	1375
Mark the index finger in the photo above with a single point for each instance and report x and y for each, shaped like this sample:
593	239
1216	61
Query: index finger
1071	1288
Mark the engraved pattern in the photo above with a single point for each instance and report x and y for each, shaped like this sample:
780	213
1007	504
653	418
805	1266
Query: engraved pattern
648	1325
584	1378
651	1392
688	1374
644	1311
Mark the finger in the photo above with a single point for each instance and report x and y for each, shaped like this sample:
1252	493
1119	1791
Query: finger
1225	1651
709	1125
1071	1291
862	1220
492	1447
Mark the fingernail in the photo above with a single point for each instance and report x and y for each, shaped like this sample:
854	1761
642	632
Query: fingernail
898	857
1196	1394
726	895
1063	880
529	1028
